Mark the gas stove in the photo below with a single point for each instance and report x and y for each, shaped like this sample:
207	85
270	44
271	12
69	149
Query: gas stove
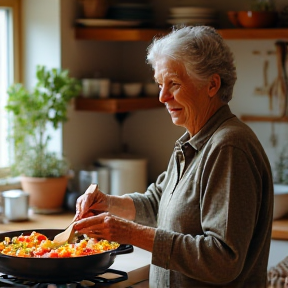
96	281
136	265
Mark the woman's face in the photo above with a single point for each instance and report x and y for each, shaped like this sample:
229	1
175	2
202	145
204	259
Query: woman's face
186	99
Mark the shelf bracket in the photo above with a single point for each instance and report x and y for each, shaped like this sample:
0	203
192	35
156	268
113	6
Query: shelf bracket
121	117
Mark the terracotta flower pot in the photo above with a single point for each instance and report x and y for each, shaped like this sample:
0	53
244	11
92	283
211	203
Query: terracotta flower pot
46	194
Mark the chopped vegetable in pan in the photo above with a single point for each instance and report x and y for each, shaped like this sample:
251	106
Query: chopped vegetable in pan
39	246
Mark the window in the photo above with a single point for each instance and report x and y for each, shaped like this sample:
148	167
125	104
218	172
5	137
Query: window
9	70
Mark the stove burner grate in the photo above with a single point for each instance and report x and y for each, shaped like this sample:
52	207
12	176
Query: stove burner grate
11	281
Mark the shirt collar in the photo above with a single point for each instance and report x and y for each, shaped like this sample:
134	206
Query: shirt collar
198	140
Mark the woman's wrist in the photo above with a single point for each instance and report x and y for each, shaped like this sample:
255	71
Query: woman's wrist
108	202
143	237
122	206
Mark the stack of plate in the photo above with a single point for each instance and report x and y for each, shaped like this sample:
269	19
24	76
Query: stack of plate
192	16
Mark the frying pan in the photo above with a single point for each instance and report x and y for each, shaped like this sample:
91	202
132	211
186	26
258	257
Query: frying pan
57	269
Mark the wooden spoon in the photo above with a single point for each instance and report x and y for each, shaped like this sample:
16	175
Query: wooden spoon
65	236
68	234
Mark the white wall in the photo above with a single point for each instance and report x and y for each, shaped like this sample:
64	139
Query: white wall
41	36
277	253
150	133
247	101
41	44
87	135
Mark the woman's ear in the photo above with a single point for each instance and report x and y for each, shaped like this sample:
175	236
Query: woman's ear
214	85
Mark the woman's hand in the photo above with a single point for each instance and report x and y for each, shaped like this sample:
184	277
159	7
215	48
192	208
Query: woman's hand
91	203
114	228
107	226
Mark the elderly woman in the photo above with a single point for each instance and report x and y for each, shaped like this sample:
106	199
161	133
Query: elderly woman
207	219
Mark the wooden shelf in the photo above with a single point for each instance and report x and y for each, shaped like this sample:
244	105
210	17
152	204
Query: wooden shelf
117	34
255	34
147	34
119	105
253	118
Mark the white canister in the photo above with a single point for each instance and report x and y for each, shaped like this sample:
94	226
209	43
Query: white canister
104	88
97	175
90	88
127	175
96	88
15	205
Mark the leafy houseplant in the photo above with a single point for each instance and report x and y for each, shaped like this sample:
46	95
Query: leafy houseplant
34	115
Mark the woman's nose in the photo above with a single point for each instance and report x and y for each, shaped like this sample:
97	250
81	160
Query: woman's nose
165	95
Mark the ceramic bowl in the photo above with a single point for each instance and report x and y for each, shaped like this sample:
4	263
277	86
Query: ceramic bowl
151	89
233	18
132	89
94	8
280	200
253	19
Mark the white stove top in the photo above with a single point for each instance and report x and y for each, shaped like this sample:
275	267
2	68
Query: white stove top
135	264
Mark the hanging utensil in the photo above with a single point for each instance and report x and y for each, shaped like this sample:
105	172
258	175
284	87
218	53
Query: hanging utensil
281	50
285	59
273	137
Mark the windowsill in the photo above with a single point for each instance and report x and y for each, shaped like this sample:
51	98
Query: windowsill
10	183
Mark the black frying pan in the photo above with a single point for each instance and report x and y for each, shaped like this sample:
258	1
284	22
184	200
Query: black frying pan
57	269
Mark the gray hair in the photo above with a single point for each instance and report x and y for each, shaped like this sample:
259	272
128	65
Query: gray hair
202	51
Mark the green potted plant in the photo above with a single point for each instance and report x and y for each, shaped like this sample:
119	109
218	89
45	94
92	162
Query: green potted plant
35	116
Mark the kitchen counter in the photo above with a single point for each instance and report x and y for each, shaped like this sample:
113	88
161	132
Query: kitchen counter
280	229
61	221
39	221
135	264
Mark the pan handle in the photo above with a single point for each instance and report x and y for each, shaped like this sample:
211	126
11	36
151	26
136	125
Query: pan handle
123	249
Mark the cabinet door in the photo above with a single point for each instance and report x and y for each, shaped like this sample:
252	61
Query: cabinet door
278	251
